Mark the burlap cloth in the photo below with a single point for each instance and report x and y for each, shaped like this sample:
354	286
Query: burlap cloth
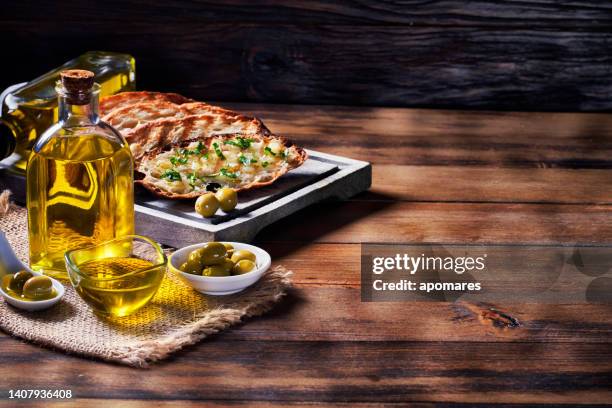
176	317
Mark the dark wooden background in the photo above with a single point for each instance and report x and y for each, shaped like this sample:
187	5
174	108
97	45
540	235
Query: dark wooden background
515	55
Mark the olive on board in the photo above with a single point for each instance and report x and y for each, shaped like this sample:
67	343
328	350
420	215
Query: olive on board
19	279
38	288
207	205
227	198
243	254
215	270
243	266
212	253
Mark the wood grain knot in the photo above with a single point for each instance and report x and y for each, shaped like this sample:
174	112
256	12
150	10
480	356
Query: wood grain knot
487	314
499	319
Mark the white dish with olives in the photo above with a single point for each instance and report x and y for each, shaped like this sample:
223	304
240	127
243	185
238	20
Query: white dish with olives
220	268
33	292
22	287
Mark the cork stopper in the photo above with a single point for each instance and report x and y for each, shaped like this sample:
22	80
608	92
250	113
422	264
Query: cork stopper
78	84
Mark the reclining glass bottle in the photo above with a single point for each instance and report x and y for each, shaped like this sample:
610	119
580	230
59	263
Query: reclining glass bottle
79	179
27	110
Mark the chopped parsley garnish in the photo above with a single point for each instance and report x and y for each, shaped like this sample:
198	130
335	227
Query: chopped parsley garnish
269	151
172	175
283	154
218	151
240	142
225	172
200	148
245	160
192	178
178	160
264	164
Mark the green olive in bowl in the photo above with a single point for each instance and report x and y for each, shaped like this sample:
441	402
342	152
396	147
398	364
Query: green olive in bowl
227	265
15	282
229	248
243	254
38	288
215	270
212	253
193	267
243	266
194	261
227	197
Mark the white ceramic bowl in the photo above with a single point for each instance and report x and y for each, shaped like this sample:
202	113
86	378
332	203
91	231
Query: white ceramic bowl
221	285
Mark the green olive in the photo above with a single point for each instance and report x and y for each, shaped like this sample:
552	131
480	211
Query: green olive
207	205
212	253
215	270
193	267
38	288
19	279
243	254
228	265
229	248
195	260
243	266
227	198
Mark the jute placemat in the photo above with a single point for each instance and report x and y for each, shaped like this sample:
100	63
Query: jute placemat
176	317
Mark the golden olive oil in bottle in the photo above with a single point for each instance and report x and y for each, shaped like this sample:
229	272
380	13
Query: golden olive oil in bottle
79	179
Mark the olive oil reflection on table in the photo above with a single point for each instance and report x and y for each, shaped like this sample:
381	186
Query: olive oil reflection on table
118	286
83	185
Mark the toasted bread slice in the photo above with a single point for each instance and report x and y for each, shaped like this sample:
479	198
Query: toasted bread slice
192	167
171	132
109	103
129	117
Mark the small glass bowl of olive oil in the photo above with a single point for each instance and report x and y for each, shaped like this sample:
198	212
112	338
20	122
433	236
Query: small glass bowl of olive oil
117	277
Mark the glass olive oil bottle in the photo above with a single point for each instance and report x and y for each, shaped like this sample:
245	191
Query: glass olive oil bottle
27	110
79	179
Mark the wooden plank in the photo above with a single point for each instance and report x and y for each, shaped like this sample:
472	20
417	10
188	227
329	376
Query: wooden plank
491	184
520	267
461	223
538	128
182	403
504	13
328	280
314	313
449	138
334	371
400	65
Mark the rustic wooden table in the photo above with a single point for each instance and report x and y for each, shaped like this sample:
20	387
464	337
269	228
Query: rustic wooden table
438	176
